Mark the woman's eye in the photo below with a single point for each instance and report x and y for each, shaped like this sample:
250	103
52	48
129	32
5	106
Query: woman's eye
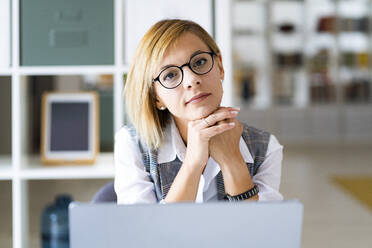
169	76
200	62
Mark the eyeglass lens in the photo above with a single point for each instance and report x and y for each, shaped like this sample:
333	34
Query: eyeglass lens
200	64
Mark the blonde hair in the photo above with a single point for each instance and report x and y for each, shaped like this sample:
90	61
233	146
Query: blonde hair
139	93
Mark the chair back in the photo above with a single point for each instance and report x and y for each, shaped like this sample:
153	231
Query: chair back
105	194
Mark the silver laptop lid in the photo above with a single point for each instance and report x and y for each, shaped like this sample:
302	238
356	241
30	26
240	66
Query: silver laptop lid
253	224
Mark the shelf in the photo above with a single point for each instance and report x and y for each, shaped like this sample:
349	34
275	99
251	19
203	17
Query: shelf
322	35
70	70
247	32
5	167
354	33
5	72
103	168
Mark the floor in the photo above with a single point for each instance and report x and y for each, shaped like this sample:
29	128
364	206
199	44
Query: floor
332	218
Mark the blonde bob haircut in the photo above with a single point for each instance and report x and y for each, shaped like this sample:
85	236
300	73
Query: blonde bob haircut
139	93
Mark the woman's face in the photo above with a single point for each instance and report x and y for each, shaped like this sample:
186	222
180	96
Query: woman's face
177	100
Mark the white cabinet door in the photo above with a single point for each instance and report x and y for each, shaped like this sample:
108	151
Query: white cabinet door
140	15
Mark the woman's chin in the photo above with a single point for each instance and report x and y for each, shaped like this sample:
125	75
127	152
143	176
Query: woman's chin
203	112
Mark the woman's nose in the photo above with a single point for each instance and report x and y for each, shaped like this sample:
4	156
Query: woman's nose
190	79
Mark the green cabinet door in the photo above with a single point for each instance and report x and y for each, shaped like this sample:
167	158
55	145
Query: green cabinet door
69	32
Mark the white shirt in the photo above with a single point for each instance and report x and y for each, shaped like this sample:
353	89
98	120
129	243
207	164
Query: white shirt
133	184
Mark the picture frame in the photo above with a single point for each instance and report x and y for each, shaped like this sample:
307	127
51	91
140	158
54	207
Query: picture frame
70	128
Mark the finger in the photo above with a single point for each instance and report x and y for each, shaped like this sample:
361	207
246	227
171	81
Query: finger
233	108
221	109
217	129
220	116
225	121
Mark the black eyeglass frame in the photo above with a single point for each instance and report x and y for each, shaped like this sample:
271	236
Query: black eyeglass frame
212	54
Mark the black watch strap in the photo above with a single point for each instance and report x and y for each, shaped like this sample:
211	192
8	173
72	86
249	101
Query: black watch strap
243	196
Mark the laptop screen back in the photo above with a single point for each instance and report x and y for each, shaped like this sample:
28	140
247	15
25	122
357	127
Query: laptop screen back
254	224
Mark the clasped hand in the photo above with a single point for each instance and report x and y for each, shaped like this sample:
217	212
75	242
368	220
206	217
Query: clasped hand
225	146
215	136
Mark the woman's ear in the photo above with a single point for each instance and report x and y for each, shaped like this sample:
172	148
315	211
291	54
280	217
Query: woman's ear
159	104
220	67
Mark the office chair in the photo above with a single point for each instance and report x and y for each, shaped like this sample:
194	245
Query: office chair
105	194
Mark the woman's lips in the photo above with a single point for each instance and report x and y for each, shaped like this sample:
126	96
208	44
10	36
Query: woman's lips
199	99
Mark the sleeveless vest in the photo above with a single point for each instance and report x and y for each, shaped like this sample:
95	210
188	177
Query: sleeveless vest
162	175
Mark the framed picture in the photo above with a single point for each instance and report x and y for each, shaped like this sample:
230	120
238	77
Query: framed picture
70	127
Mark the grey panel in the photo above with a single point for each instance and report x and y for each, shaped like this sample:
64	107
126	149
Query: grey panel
357	123
293	124
325	123
218	225
72	32
262	119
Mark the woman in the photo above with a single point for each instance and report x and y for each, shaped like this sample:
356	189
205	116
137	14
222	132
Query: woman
184	146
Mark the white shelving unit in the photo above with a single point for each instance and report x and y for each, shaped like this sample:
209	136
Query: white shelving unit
103	168
24	169
302	120
5	72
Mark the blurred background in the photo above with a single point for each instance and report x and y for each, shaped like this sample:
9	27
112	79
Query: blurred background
299	69
302	69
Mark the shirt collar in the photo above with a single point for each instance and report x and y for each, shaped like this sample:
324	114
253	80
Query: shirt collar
245	151
173	146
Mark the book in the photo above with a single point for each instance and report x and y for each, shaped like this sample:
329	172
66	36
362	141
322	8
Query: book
5	33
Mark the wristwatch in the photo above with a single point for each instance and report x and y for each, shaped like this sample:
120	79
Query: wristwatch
243	196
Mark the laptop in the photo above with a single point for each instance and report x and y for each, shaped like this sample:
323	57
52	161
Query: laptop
178	225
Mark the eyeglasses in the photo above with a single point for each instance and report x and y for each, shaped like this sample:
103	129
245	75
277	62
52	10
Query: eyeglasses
172	76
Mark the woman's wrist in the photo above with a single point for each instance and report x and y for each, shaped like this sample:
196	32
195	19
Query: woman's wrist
185	185
236	176
192	168
232	161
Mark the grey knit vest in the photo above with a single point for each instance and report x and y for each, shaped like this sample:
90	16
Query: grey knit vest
162	175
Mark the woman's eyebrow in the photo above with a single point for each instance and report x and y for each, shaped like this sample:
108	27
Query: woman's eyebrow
194	53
